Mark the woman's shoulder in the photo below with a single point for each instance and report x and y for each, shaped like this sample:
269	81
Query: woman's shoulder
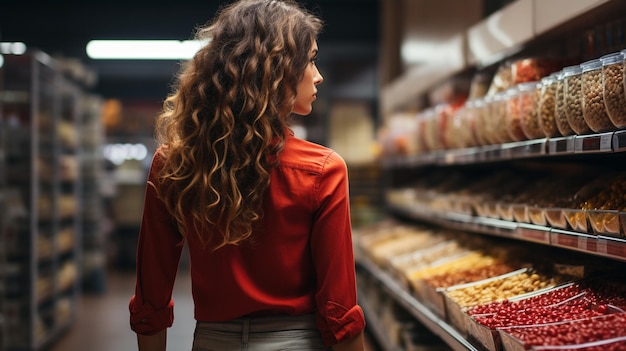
311	154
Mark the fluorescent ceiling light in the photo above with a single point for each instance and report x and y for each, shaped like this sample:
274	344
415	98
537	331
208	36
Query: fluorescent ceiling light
143	49
16	48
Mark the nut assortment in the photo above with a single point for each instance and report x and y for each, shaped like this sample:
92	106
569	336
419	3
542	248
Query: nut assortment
574	99
560	111
513	117
546	118
594	111
571	332
500	289
528	100
613	84
579	99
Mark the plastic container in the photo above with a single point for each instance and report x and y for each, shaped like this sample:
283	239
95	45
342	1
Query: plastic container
528	97
574	99
468	122
481	126
513	117
431	135
453	132
498	118
613	66
546	119
489	123
594	111
605	222
560	112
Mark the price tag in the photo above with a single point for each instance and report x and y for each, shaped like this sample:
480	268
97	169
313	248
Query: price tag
602	246
619	140
562	145
582	242
594	143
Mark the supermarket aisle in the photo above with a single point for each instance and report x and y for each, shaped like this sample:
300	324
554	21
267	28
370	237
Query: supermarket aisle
102	321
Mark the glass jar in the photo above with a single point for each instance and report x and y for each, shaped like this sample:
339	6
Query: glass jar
560	112
546	119
594	110
529	95
498	118
574	99
613	66
453	133
419	132
469	123
490	121
480	121
443	113
513	119
431	130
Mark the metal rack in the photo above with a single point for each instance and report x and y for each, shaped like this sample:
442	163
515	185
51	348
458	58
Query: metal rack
40	205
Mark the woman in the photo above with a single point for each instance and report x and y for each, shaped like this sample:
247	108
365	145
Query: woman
265	215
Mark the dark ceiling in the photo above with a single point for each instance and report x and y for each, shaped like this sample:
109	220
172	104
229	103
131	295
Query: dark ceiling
62	29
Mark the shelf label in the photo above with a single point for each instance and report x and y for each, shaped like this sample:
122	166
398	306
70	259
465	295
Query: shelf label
619	140
594	143
533	233
582	242
535	147
563	238
564	145
613	247
601	246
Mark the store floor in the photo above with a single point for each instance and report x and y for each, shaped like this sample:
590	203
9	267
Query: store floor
102	320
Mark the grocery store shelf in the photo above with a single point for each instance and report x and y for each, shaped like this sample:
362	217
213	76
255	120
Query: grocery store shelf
599	245
422	313
601	143
375	326
503	34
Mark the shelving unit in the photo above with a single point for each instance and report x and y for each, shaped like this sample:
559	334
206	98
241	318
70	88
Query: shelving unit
529	26
518	26
41	200
95	232
3	320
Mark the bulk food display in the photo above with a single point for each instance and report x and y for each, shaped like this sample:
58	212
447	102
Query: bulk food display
518	196
501	298
532	98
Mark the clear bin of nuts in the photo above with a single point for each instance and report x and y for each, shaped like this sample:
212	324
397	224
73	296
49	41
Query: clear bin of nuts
594	111
513	118
605	222
580	334
480	121
431	132
498	118
529	96
613	67
461	297
560	111
574	99
546	118
469	122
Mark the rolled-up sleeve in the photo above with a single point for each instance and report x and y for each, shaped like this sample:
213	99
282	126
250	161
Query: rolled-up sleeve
339	317
159	250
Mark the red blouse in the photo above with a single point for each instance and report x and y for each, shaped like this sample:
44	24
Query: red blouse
300	262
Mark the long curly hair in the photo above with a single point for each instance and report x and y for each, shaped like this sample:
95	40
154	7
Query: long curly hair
224	124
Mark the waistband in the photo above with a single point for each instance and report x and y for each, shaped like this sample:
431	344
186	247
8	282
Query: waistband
263	324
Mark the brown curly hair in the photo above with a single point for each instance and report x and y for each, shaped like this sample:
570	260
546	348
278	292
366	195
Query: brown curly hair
224	124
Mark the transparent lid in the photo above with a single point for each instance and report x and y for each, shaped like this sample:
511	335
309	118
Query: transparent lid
616	57
528	86
572	70
591	65
549	79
